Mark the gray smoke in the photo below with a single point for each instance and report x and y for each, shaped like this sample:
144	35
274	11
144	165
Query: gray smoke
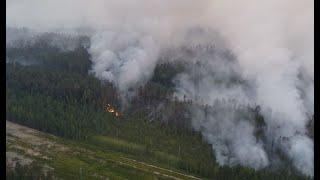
272	52
229	129
124	58
262	55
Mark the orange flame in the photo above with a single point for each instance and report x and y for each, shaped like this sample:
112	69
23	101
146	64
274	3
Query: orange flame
112	110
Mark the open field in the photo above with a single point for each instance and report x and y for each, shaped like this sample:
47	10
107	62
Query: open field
70	160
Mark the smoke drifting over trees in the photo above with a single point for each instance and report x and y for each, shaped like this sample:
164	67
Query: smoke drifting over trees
251	53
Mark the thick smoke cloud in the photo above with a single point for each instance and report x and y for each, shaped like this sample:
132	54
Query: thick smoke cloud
268	49
229	130
262	55
126	59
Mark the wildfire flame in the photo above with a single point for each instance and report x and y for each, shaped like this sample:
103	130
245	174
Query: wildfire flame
112	110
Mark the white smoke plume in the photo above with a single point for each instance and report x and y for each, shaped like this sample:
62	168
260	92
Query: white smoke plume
271	42
231	134
272	47
127	59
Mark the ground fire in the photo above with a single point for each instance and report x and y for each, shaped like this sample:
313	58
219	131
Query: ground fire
112	110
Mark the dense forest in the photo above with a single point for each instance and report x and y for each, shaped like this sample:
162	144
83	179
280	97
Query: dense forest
50	89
